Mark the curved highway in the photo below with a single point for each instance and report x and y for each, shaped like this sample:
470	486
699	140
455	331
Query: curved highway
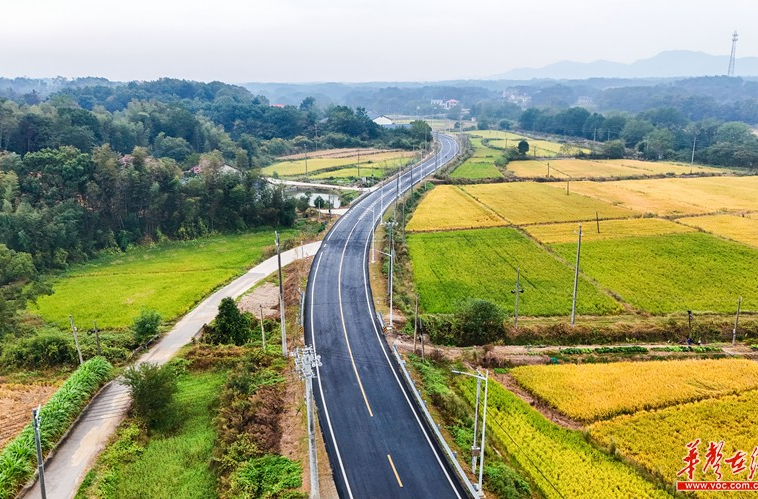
378	444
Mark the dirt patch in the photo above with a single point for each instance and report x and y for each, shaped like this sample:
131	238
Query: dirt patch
510	355
551	414
16	404
267	295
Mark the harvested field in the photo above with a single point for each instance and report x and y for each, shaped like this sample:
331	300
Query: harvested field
16	404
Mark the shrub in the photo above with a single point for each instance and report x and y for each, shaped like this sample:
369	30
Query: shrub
505	482
152	388
266	476
46	349
17	461
480	322
231	325
145	326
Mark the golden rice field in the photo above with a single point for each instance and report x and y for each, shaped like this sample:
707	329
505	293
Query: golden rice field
737	228
528	203
388	159
504	140
378	171
609	229
656	440
674	196
589	392
448	207
663	167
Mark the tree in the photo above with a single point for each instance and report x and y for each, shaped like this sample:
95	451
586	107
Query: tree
231	325
152	388
480	322
146	324
523	147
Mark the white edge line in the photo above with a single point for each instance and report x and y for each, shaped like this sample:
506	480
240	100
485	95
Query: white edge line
321	388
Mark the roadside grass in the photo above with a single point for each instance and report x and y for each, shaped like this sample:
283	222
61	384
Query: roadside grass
609	229
741	229
589	392
674	196
481	263
167	277
169	465
448	207
673	272
529	202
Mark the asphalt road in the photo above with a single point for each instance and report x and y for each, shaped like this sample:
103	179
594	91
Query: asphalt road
378	444
66	467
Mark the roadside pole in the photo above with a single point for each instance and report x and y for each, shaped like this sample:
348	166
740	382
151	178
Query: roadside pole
76	340
736	321
281	297
517	292
305	362
263	332
40	461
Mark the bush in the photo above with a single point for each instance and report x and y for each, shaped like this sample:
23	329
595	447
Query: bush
46	349
152	388
230	326
505	483
480	322
18	459
266	476
145	326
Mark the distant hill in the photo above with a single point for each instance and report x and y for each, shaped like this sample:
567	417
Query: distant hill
673	63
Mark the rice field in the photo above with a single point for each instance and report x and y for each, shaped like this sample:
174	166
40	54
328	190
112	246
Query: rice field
481	263
447	207
297	167
528	203
591	169
657	440
675	196
608	229
737	228
589	392
480	164
672	272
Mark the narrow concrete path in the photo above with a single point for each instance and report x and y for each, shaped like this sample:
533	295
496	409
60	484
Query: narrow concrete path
71	460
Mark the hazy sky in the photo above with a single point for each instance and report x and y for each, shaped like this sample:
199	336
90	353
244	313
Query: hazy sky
353	40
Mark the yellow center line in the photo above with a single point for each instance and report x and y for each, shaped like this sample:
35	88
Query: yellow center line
394	470
344	326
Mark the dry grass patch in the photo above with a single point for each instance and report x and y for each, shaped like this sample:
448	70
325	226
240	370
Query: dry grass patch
609	229
589	392
528	203
380	159
16	404
448	207
740	229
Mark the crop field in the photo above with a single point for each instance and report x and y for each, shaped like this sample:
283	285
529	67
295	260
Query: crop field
740	229
16	404
609	229
527	202
168	278
481	263
480	164
664	167
292	168
673	272
657	440
589	169
675	196
589	392
375	171
560	462
448	207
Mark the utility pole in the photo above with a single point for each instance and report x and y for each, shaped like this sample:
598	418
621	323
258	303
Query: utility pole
373	234
576	274
736	321
38	444
730	71
76	340
415	326
263	331
517	292
305	362
480	451
597	219
306	160
281	297
692	158
96	332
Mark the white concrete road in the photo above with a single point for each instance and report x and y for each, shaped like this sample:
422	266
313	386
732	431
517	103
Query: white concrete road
66	467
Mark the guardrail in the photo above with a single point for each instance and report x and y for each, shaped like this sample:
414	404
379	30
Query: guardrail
450	456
